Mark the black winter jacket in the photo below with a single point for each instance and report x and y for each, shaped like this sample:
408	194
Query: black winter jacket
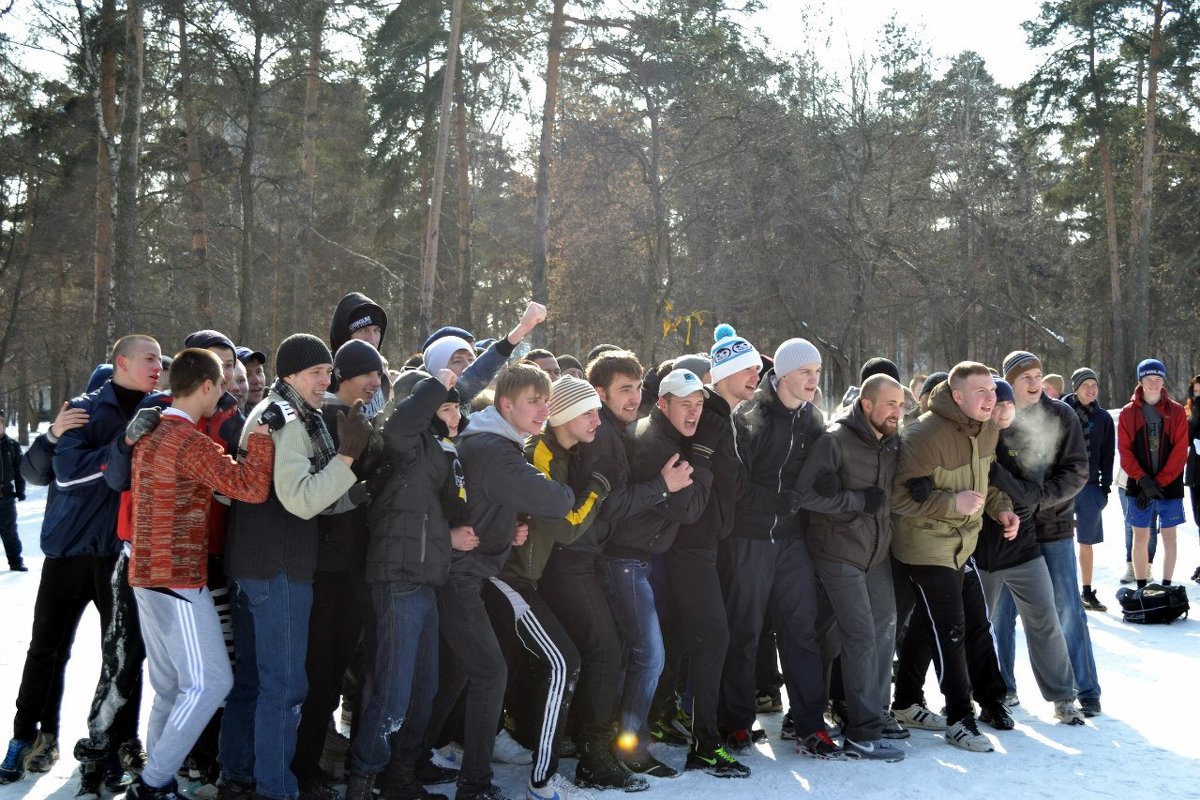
12	483
501	485
1019	474
653	531
1192	472
628	497
716	522
1101	441
838	528
772	445
409	538
1058	444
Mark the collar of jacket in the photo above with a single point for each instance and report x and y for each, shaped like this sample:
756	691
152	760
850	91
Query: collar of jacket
857	421
766	396
1138	399
659	420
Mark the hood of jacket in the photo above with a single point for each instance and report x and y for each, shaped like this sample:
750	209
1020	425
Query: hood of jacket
345	313
941	402
491	421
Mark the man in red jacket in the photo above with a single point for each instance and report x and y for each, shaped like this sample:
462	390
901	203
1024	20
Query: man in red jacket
1152	439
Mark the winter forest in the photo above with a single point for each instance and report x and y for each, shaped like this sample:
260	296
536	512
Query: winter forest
646	169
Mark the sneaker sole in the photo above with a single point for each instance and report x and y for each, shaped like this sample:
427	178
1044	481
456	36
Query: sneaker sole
852	755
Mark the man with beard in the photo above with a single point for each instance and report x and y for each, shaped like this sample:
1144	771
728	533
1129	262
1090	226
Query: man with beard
846	482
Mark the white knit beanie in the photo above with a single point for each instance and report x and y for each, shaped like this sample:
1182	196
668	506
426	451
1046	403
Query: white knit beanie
438	354
794	354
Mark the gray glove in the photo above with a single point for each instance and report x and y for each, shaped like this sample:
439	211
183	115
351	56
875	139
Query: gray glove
144	421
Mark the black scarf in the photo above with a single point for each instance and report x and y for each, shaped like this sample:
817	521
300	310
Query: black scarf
314	424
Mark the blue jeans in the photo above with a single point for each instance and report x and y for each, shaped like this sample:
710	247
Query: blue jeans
398	692
1153	546
1064	576
627	582
262	712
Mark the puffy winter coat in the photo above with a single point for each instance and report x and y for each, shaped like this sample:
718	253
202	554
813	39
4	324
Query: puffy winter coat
1134	447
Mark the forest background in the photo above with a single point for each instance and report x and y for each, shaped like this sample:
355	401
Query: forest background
241	164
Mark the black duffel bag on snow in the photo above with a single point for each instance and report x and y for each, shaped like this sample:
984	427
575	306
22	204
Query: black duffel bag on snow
1154	603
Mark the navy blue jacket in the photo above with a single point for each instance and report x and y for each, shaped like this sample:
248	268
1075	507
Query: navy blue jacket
81	517
1102	441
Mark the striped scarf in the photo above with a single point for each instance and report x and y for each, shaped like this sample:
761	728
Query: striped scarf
314	424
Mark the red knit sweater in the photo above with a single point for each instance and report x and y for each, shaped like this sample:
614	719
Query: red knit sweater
175	470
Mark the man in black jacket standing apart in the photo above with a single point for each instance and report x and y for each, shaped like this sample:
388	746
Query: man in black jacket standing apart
12	489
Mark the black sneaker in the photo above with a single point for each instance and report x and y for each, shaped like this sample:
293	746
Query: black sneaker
140	791
492	792
1090	706
642	763
18	566
665	731
818	744
430	774
91	780
768	702
1196	575
234	790
317	788
740	742
1091	602
787	730
997	716
717	763
598	768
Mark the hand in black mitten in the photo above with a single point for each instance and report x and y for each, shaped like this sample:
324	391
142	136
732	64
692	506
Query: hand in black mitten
787	503
1143	501
354	431
20	495
920	488
827	484
359	493
709	429
873	499
606	471
144	421
1150	488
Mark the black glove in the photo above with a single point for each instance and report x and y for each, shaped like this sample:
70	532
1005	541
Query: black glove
1150	488
874	499
709	429
787	503
920	488
273	417
1143	501
144	421
354	432
20	495
607	472
360	493
827	484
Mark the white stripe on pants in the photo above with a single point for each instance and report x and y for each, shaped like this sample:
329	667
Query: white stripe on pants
189	670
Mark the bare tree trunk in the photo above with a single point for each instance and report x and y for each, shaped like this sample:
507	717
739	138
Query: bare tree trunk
125	251
302	299
246	185
541	205
1141	217
432	231
197	219
105	98
1118	362
465	289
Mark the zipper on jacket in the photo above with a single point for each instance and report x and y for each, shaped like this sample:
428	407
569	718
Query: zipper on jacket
779	476
424	534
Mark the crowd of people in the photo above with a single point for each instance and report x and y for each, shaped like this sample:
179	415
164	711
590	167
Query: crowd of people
486	558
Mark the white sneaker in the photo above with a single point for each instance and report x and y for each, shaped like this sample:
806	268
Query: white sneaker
1067	712
557	788
507	751
1128	576
965	734
448	756
919	717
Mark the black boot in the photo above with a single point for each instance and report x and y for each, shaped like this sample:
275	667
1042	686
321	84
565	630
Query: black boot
360	786
400	782
598	768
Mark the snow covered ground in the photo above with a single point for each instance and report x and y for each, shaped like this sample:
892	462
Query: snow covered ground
1143	745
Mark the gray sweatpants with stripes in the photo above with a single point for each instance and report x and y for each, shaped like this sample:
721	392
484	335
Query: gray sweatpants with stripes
189	670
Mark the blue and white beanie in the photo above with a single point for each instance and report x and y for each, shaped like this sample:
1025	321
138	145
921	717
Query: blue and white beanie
1151	366
731	353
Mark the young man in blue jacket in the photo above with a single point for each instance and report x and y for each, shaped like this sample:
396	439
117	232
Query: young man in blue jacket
81	547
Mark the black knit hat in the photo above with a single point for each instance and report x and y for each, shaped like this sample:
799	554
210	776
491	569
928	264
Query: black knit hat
932	381
878	366
209	338
355	358
298	352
